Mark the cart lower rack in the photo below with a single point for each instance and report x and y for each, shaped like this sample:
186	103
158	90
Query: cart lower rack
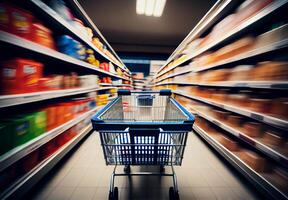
143	128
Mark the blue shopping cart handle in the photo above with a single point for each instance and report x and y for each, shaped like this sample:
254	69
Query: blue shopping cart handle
122	92
190	117
163	92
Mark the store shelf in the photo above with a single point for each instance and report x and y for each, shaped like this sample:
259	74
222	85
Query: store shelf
34	47
25	183
249	54
272	153
243	26
114	85
257	179
19	152
175	74
60	21
214	14
279	123
112	98
138	81
279	85
167	70
80	10
19	99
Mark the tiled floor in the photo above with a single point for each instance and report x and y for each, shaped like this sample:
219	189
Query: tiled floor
84	175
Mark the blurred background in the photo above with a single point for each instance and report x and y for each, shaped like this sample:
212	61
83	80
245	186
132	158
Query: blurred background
226	61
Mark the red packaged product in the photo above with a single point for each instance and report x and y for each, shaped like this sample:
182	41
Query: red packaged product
4	17
20	22
72	132
46	84
68	113
20	76
48	149
51	118
29	162
102	66
60	109
61	139
42	35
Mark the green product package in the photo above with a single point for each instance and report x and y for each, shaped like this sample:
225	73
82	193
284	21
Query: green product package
5	138
21	129
39	123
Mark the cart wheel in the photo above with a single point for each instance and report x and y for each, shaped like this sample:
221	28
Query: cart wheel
127	169
114	195
173	195
162	169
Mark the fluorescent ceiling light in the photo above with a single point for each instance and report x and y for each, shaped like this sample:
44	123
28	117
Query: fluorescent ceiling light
150	7
140	7
159	7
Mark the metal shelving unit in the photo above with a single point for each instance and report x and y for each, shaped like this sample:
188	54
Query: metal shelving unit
272	153
271	46
173	75
18	99
114	85
59	20
247	55
257	179
80	10
241	28
276	122
19	152
26	182
34	47
214	14
279	85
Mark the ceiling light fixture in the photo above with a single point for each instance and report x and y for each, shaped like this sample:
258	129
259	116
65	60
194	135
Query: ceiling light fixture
159	7
140	7
150	7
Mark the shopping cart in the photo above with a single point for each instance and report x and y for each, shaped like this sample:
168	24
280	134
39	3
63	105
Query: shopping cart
143	128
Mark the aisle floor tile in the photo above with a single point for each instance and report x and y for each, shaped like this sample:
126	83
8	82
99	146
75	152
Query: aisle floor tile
203	193
83	193
72	179
61	193
84	175
224	193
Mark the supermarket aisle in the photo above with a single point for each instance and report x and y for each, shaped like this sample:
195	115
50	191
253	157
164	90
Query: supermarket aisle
85	176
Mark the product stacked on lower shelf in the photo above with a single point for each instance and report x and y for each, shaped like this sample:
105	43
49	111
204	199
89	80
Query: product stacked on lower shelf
19	129
21	168
26	25
262	147
30	74
235	80
31	135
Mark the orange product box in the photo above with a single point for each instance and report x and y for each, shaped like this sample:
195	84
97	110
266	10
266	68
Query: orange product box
68	113
51	113
59	119
20	76
42	35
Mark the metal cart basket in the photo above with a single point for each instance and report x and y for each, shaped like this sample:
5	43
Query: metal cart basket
143	128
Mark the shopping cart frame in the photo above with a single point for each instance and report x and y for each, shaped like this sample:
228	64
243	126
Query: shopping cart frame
173	127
